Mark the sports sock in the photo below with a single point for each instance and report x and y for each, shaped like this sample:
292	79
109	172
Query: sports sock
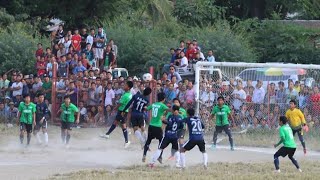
28	138
111	129
144	135
125	135
205	159
156	156
68	138
21	138
183	159
63	137
139	136
177	156
38	138
276	162
46	138
172	152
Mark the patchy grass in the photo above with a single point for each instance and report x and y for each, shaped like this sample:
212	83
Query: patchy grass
266	138
237	171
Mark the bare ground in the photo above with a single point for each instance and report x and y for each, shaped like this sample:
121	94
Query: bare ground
105	159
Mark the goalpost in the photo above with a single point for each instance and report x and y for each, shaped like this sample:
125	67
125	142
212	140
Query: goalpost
229	71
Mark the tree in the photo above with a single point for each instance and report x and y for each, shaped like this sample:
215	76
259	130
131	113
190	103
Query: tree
198	12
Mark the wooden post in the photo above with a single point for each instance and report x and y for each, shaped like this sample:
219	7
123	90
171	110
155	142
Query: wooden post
53	92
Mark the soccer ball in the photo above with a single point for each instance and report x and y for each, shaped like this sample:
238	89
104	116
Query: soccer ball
147	77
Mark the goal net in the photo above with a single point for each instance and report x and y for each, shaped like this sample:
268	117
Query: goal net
257	94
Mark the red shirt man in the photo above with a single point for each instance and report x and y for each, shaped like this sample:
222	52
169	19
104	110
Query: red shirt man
39	51
41	67
76	40
191	52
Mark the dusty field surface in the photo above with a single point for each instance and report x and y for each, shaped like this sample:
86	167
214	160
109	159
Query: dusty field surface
90	157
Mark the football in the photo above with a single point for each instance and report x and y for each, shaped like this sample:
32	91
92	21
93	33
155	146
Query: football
147	77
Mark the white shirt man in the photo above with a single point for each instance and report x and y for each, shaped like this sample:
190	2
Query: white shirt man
258	94
110	95
184	64
18	91
239	95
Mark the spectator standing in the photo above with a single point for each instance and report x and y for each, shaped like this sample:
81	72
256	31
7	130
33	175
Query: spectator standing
239	97
172	72
17	87
315	102
90	37
114	48
258	93
41	67
76	41
110	95
46	87
39	51
66	41
63	67
99	39
170	94
281	97
210	57
291	93
84	36
4	85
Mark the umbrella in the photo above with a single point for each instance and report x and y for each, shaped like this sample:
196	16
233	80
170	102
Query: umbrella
281	71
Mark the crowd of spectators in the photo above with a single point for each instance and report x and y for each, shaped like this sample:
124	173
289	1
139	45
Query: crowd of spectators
83	63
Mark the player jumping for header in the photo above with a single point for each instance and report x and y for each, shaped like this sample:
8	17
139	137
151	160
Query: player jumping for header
139	102
289	145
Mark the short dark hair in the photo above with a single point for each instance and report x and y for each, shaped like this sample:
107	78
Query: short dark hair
175	108
66	97
293	101
283	119
190	111
147	91
220	97
176	99
161	96
40	94
26	95
130	84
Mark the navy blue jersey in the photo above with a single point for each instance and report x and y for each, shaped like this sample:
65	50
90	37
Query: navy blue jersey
174	123
139	102
41	111
195	127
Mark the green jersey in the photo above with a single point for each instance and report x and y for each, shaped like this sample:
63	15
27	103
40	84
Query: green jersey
46	86
286	135
26	112
67	114
125	98
158	110
182	112
221	115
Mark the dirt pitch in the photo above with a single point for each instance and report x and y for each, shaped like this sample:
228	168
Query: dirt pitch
91	157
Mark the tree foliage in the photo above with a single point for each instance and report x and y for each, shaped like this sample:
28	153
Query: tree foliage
282	42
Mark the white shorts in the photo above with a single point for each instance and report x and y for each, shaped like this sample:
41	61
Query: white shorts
99	53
